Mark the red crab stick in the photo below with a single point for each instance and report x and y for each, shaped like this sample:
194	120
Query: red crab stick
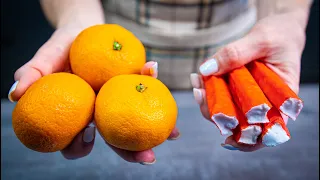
275	132
246	133
220	104
249	97
279	93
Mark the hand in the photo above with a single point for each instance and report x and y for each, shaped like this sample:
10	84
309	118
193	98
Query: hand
277	40
53	57
146	157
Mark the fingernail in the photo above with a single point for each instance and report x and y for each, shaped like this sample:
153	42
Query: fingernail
88	134
229	147
195	80
149	163
209	67
12	89
154	70
197	95
175	138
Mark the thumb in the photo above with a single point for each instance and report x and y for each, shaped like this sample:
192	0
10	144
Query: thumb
51	57
81	145
235	55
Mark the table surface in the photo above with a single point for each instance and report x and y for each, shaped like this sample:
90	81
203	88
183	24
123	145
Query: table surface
196	155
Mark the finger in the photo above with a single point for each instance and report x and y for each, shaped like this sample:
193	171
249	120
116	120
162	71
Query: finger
199	96
51	57
150	69
143	157
195	80
235	55
175	134
204	106
231	144
81	145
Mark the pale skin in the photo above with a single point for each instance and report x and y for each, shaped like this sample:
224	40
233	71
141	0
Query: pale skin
278	40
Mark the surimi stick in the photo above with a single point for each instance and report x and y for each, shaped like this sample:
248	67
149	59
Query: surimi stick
250	98
220	104
246	133
275	132
279	93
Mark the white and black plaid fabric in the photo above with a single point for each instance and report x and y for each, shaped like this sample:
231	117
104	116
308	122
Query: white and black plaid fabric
181	34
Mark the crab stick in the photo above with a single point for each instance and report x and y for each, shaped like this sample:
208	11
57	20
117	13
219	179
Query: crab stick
275	132
221	107
246	133
250	98
279	93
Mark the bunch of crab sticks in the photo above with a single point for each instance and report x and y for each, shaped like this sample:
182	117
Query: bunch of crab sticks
251	102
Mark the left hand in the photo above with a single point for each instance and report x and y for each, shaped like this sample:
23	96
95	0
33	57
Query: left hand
77	149
277	40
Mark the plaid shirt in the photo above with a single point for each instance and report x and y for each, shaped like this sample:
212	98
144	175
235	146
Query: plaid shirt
181	34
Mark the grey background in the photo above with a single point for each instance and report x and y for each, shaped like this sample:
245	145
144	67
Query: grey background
197	155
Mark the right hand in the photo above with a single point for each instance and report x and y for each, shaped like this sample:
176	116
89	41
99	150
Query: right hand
276	40
53	57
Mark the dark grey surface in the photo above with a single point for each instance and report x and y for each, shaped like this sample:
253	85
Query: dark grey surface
196	155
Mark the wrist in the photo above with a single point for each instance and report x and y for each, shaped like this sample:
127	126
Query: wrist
297	9
80	21
301	16
79	13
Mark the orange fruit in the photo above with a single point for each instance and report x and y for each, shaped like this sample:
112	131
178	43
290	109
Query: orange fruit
135	112
53	111
102	51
